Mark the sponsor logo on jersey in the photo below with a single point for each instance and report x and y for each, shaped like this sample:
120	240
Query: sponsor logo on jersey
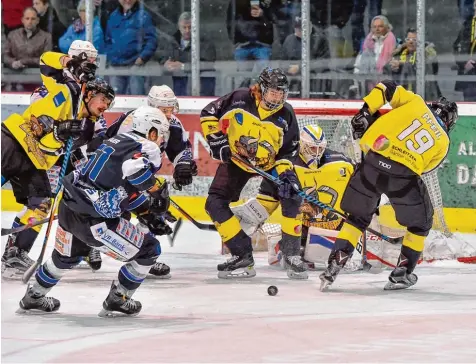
384	165
239	102
59	99
381	143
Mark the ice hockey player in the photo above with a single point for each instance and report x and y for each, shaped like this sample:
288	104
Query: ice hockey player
79	65
260	126
174	143
323	174
399	147
33	142
119	179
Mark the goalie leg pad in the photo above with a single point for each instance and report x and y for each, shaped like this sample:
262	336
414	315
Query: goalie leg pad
251	215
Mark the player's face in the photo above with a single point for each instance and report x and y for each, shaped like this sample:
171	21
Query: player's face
98	104
168	111
273	96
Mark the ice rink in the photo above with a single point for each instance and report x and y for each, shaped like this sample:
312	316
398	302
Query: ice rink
195	317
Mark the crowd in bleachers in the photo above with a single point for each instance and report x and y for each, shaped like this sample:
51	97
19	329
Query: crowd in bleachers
348	37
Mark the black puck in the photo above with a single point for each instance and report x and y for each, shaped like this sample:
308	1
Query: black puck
272	290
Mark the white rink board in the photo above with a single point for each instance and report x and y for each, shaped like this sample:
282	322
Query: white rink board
195	317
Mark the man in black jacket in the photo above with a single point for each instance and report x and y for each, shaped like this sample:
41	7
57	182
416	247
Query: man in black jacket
177	59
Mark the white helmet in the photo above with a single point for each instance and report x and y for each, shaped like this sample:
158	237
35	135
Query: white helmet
162	96
144	118
80	46
312	145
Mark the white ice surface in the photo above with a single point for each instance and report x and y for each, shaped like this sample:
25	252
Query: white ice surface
196	317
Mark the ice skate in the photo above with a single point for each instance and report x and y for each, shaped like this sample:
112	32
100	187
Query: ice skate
400	279
94	259
237	267
35	301
119	303
337	261
159	271
15	262
295	267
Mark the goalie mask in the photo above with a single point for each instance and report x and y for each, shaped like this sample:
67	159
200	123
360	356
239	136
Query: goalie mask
446	110
312	144
274	87
150	123
163	98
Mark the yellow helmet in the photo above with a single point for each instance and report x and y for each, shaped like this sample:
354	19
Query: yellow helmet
312	145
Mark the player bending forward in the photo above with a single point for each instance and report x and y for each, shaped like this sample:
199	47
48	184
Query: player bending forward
262	128
323	174
174	143
33	142
399	147
118	180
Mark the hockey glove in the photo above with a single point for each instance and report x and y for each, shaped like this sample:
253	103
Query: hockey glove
81	68
159	200
156	224
169	217
219	146
290	182
360	122
64	129
183	172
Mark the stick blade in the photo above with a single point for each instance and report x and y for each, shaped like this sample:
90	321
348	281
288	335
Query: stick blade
29	272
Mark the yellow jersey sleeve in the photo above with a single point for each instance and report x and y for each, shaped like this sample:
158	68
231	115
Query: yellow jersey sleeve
51	69
388	92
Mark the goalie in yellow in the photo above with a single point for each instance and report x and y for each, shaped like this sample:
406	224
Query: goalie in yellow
323	174
400	146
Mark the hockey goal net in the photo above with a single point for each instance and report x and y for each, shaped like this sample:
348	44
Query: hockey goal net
441	244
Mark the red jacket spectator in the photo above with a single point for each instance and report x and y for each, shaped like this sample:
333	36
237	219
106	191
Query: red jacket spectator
12	12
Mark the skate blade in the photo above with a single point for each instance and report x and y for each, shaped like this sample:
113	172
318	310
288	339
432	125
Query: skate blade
297	275
325	284
114	314
33	312
248	272
152	276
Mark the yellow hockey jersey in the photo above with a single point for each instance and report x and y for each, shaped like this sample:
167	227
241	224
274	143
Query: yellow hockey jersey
410	134
51	69
327	183
266	138
34	128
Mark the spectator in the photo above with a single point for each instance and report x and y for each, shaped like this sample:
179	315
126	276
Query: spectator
357	20
464	47
131	39
178	57
25	46
251	31
12	11
376	52
49	21
466	9
292	50
402	67
77	31
103	9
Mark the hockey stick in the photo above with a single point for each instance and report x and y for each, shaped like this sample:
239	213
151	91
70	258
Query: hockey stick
311	199
69	146
176	229
208	227
21	228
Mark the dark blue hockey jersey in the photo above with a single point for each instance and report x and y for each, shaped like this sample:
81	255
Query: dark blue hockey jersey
115	178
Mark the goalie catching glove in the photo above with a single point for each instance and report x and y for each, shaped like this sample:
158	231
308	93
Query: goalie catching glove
219	146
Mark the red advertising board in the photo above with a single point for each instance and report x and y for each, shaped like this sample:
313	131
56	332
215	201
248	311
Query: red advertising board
191	122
